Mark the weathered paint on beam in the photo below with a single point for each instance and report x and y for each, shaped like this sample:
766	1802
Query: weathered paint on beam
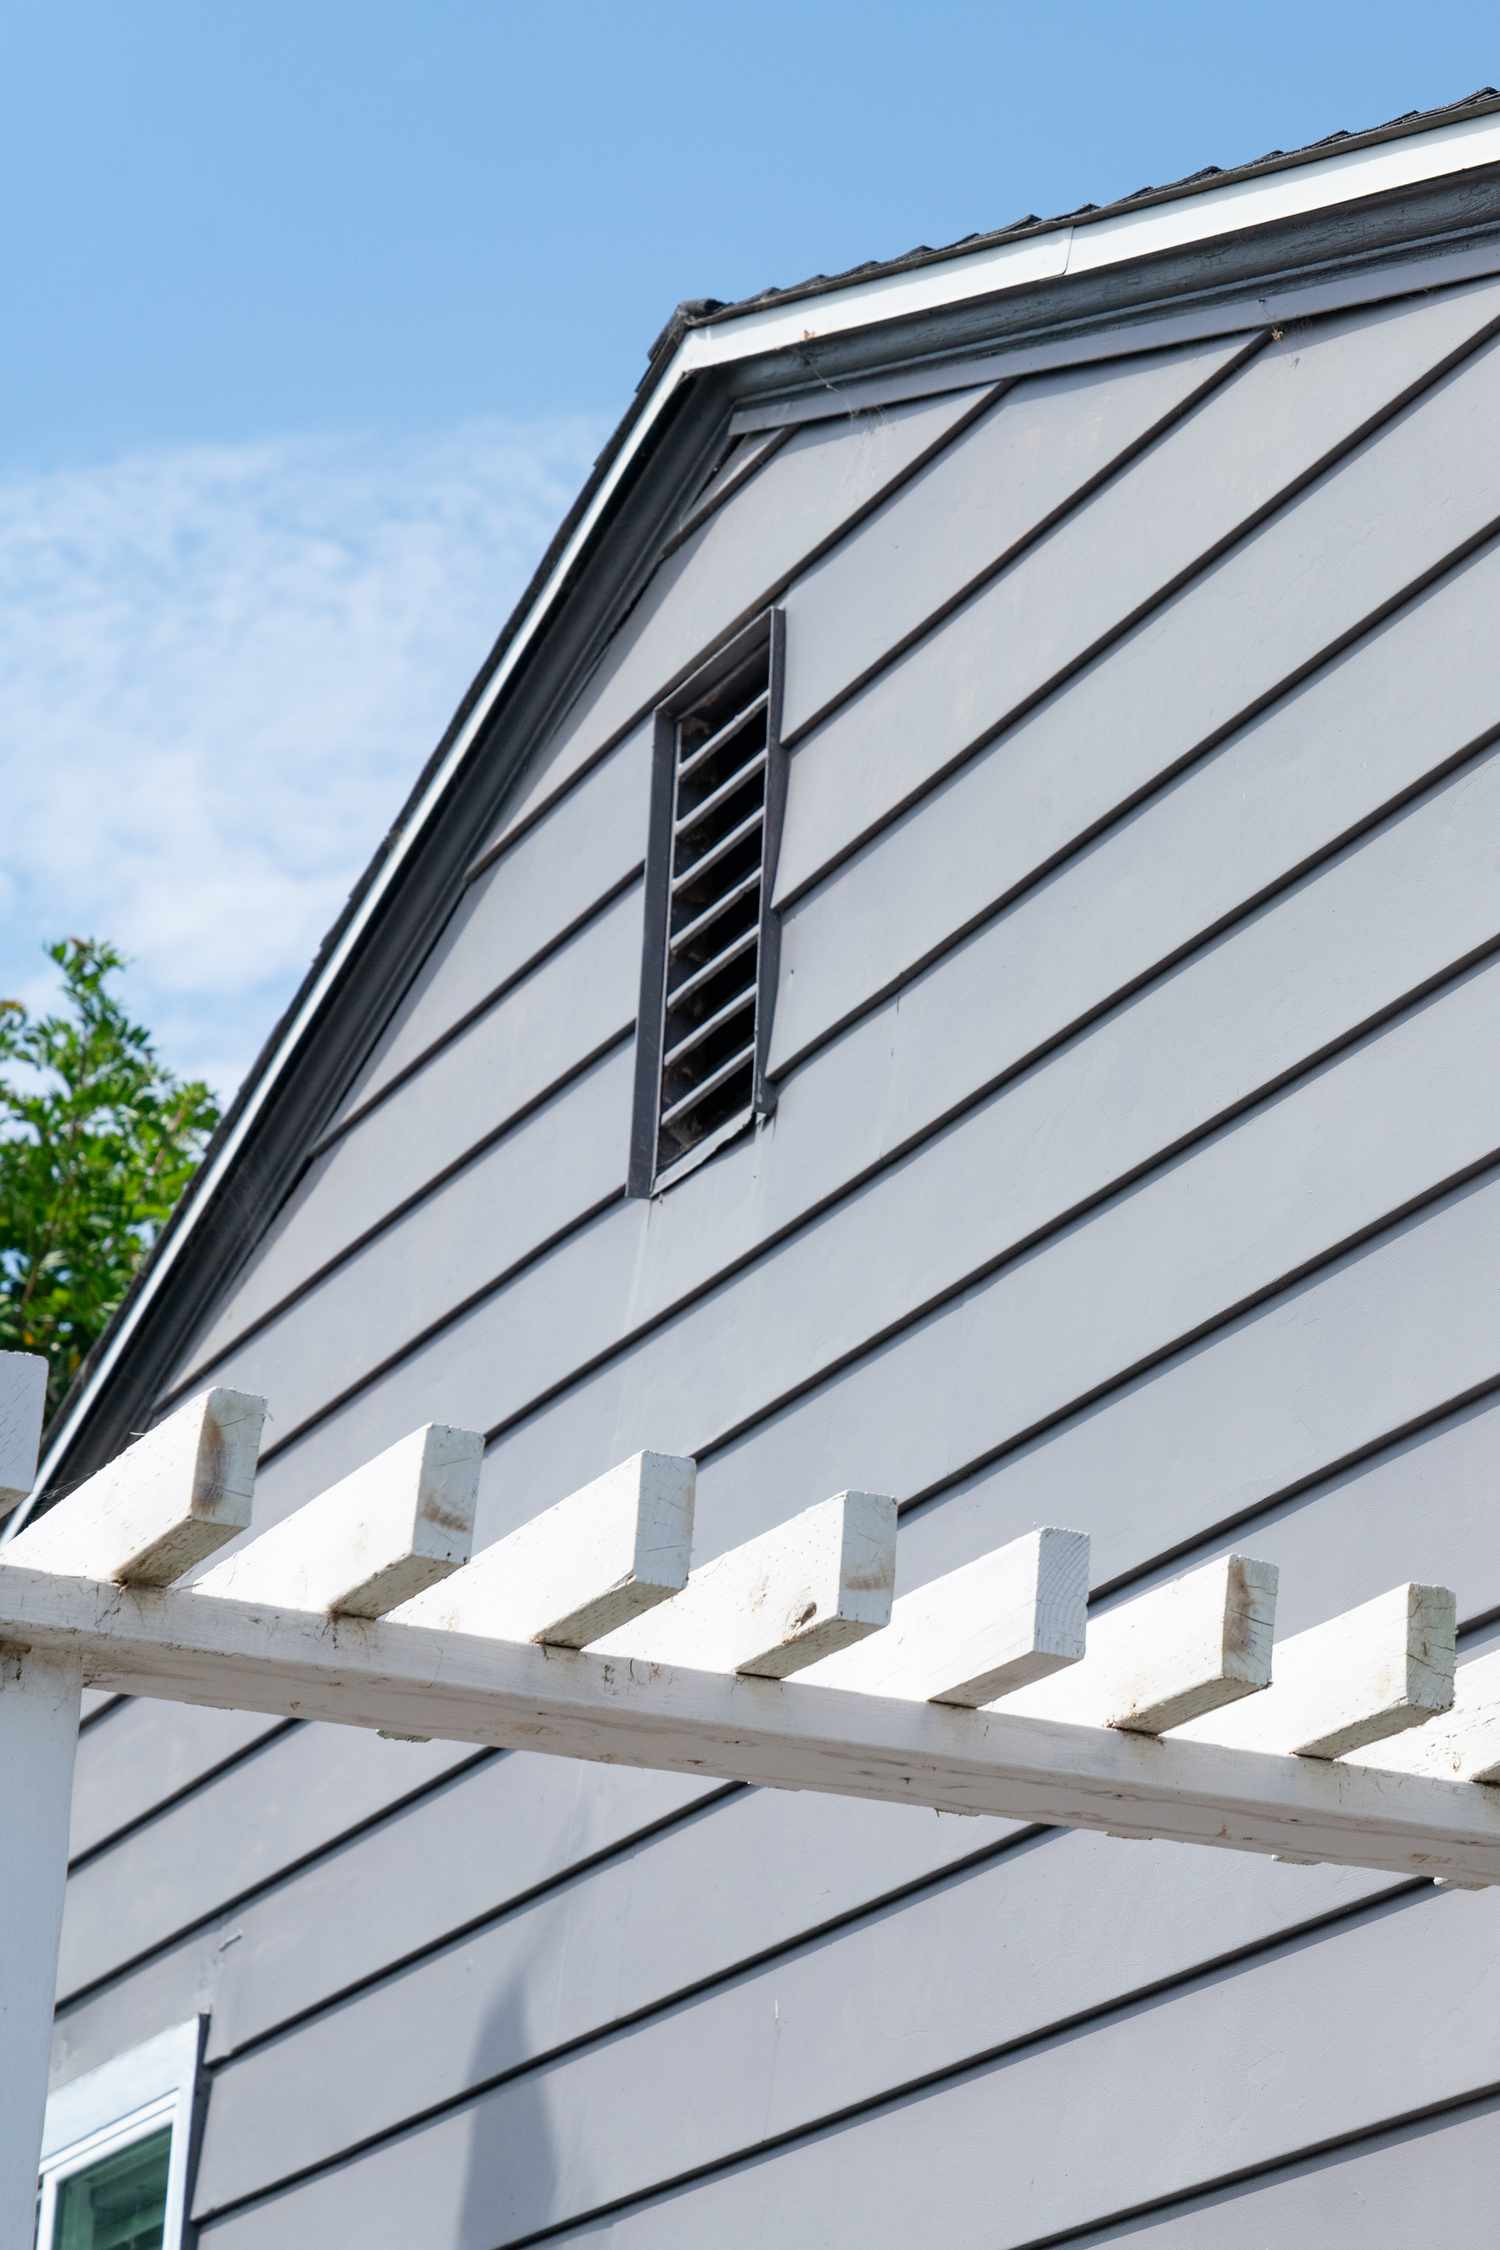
402	1522
1461	1745
775	1605
580	1569
1185	1648
1368	1674
165	1504
401	1679
1016	1615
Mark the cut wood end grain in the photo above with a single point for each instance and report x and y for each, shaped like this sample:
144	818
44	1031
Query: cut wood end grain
23	1397
168	1502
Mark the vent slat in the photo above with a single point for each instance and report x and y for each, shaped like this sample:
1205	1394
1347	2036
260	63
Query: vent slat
706	861
710	1025
703	751
717	806
711	1084
720	796
710	969
691	931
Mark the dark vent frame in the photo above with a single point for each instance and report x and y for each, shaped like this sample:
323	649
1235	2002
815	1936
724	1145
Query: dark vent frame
704	1027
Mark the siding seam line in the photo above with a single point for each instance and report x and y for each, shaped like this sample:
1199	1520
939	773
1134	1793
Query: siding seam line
1157	784
704	512
1329	460
1027	1835
844	529
1405	1891
1033	536
1305	1066
1058	1222
122	1835
400	1212
594	912
1035	876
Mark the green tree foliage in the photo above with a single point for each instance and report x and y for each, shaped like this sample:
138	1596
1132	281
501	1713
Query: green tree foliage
97	1142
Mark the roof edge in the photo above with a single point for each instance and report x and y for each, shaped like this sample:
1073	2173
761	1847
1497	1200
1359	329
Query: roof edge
699	341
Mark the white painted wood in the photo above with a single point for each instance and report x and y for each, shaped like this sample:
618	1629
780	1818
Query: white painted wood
1462	1744
1014	1616
402	1523
168	1502
1371	1673
777	1604
23	1394
590	1563
459	1688
39	1697
1185	1648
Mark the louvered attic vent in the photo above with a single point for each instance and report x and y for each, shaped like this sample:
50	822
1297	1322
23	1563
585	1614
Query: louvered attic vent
708	976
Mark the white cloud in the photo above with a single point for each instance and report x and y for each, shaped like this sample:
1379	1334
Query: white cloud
223	668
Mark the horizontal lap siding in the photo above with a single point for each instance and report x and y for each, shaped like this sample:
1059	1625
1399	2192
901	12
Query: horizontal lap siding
1135	1166
1274	422
546	1030
1382	2191
1041	443
1393	912
554	1170
432	2033
1395	703
1421	1508
587	848
822	480
1237	2069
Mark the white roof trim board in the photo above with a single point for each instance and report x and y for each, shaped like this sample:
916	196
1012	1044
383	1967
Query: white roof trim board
1087	244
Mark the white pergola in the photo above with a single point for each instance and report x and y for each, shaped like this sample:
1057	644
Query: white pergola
585	1635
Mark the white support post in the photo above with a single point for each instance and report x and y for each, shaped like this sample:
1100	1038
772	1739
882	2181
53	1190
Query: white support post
39	1706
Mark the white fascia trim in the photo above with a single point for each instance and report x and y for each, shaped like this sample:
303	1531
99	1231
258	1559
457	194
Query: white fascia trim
96	2103
1084	246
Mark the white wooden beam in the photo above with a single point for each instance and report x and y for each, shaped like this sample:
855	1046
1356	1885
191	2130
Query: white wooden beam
39	1700
401	1523
777	1604
1014	1616
402	1679
168	1502
1191	1646
1361	1677
1462	1744
580	1569
23	1395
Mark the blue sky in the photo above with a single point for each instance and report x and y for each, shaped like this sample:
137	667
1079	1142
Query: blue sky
318	312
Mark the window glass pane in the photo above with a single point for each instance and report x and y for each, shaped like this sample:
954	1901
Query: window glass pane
120	2203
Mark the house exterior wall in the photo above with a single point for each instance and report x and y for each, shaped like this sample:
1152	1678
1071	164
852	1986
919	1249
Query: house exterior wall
1134	1168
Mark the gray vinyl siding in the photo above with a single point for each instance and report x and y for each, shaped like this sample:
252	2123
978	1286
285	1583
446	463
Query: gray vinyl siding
1135	1166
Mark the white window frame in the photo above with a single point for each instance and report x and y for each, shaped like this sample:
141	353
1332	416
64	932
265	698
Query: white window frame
121	2102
